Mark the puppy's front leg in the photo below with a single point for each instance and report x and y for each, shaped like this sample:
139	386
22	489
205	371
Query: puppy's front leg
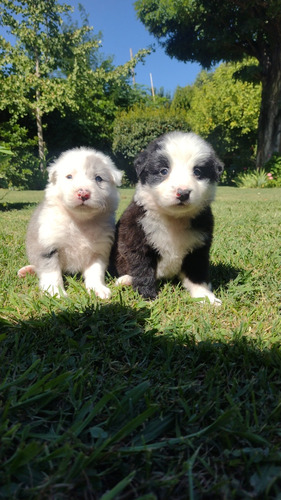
94	278
49	273
200	291
145	283
52	283
195	275
143	264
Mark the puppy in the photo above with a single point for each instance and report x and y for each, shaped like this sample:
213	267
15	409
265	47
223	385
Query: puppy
167	229
72	230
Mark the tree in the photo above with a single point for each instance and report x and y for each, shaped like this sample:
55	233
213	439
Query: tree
91	124
224	110
182	97
41	46
210	31
54	68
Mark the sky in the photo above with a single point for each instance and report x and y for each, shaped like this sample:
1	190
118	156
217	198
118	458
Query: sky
122	31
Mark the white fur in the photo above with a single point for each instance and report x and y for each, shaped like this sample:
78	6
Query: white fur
125	280
199	291
184	151
173	238
79	227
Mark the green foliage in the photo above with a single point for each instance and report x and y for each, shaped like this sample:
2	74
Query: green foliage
134	129
4	152
27	72
273	167
257	179
133	399
225	111
54	72
21	168
191	31
270	176
182	98
28	63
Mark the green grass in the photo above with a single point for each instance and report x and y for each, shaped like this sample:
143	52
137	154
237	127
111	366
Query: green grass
128	399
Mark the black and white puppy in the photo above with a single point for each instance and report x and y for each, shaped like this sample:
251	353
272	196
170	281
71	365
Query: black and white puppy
167	229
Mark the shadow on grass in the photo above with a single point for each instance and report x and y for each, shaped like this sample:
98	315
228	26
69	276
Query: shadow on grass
100	402
221	274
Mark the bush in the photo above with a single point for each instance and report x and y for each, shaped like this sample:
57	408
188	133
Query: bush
256	179
133	130
273	169
21	168
225	110
269	176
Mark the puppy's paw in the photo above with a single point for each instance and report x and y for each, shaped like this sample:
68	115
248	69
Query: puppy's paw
206	296
148	292
52	284
210	297
23	271
101	291
53	290
125	280
201	291
217	302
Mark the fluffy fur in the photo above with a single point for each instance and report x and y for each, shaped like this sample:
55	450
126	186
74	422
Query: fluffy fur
72	230
167	229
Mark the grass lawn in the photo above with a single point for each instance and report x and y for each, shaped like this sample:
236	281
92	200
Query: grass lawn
128	399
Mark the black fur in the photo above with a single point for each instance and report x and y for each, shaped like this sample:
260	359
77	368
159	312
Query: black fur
132	254
49	254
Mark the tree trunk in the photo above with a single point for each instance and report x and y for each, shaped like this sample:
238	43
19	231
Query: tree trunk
269	131
41	149
40	136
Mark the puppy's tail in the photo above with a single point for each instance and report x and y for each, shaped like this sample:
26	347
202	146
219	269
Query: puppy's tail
23	271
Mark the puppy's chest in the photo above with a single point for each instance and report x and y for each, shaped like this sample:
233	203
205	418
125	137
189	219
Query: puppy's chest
173	240
76	243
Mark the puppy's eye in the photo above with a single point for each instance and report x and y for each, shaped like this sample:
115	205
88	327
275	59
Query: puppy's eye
69	176
164	171
98	178
197	172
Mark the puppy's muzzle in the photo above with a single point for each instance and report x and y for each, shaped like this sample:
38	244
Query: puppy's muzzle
183	194
83	194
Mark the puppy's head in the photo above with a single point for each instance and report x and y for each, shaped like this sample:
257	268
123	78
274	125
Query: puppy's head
178	174
84	181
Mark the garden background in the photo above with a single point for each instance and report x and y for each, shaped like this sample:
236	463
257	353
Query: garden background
132	399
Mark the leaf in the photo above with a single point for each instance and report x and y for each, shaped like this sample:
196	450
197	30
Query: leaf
263	480
23	456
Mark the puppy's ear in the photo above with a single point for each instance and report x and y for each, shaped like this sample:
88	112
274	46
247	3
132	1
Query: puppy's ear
219	166
140	163
116	175
52	174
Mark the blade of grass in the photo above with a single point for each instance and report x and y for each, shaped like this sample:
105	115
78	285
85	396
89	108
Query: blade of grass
119	487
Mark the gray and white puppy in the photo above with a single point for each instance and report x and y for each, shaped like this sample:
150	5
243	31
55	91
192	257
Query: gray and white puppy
72	230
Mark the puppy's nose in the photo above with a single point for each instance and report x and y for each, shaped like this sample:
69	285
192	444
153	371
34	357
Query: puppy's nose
183	194
83	194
